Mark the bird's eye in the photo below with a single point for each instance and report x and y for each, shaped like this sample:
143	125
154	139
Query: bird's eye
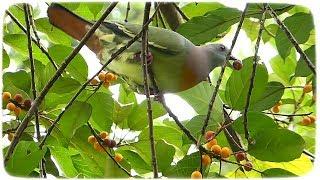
222	48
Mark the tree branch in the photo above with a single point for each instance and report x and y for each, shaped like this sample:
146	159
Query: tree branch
216	89
291	38
185	17
253	74
113	56
173	18
46	89
127	12
41	47
144	53
28	19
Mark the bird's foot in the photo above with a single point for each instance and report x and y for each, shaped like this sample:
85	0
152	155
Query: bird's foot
138	57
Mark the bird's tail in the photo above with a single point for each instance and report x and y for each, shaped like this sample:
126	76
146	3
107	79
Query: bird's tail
73	25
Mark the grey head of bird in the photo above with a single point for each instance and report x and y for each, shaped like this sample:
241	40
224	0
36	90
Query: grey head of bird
217	54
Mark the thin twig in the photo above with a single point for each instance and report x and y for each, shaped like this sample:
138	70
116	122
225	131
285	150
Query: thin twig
127	12
100	141
289	115
28	19
41	47
291	38
51	82
184	16
144	54
216	89
309	154
253	74
161	19
113	56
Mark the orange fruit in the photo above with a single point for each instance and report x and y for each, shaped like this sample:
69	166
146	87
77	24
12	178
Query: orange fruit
114	78
225	152
17	111
275	109
196	175
103	134
109	77
216	149
211	143
278	103
92	139
94	81
118	157
206	160
97	147
6	96
106	84
306	121
11	106
101	76
307	88
209	135
18	98
312	118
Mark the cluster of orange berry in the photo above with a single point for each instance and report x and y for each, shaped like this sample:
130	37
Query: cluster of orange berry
106	141
16	104
106	77
308	120
212	144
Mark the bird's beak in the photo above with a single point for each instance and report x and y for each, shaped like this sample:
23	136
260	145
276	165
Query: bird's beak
231	58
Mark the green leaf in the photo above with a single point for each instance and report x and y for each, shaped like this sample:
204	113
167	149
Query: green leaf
198	9
202	29
138	117
276	145
126	95
121	113
251	28
54	34
199	97
25	158
256	123
302	69
135	160
270	32
74	117
78	68
19	43
84	166
95	8
238	84
165	153
184	167
102	110
301	33
166	133
277	172
284	68
63	158
17	80
271	95
255	9
65	85
5	59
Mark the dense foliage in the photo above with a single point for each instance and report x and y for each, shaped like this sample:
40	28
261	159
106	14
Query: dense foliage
283	139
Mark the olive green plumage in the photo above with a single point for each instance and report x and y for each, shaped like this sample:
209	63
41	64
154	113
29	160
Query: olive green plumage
177	63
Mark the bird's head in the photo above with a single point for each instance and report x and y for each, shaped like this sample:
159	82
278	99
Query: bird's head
217	54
